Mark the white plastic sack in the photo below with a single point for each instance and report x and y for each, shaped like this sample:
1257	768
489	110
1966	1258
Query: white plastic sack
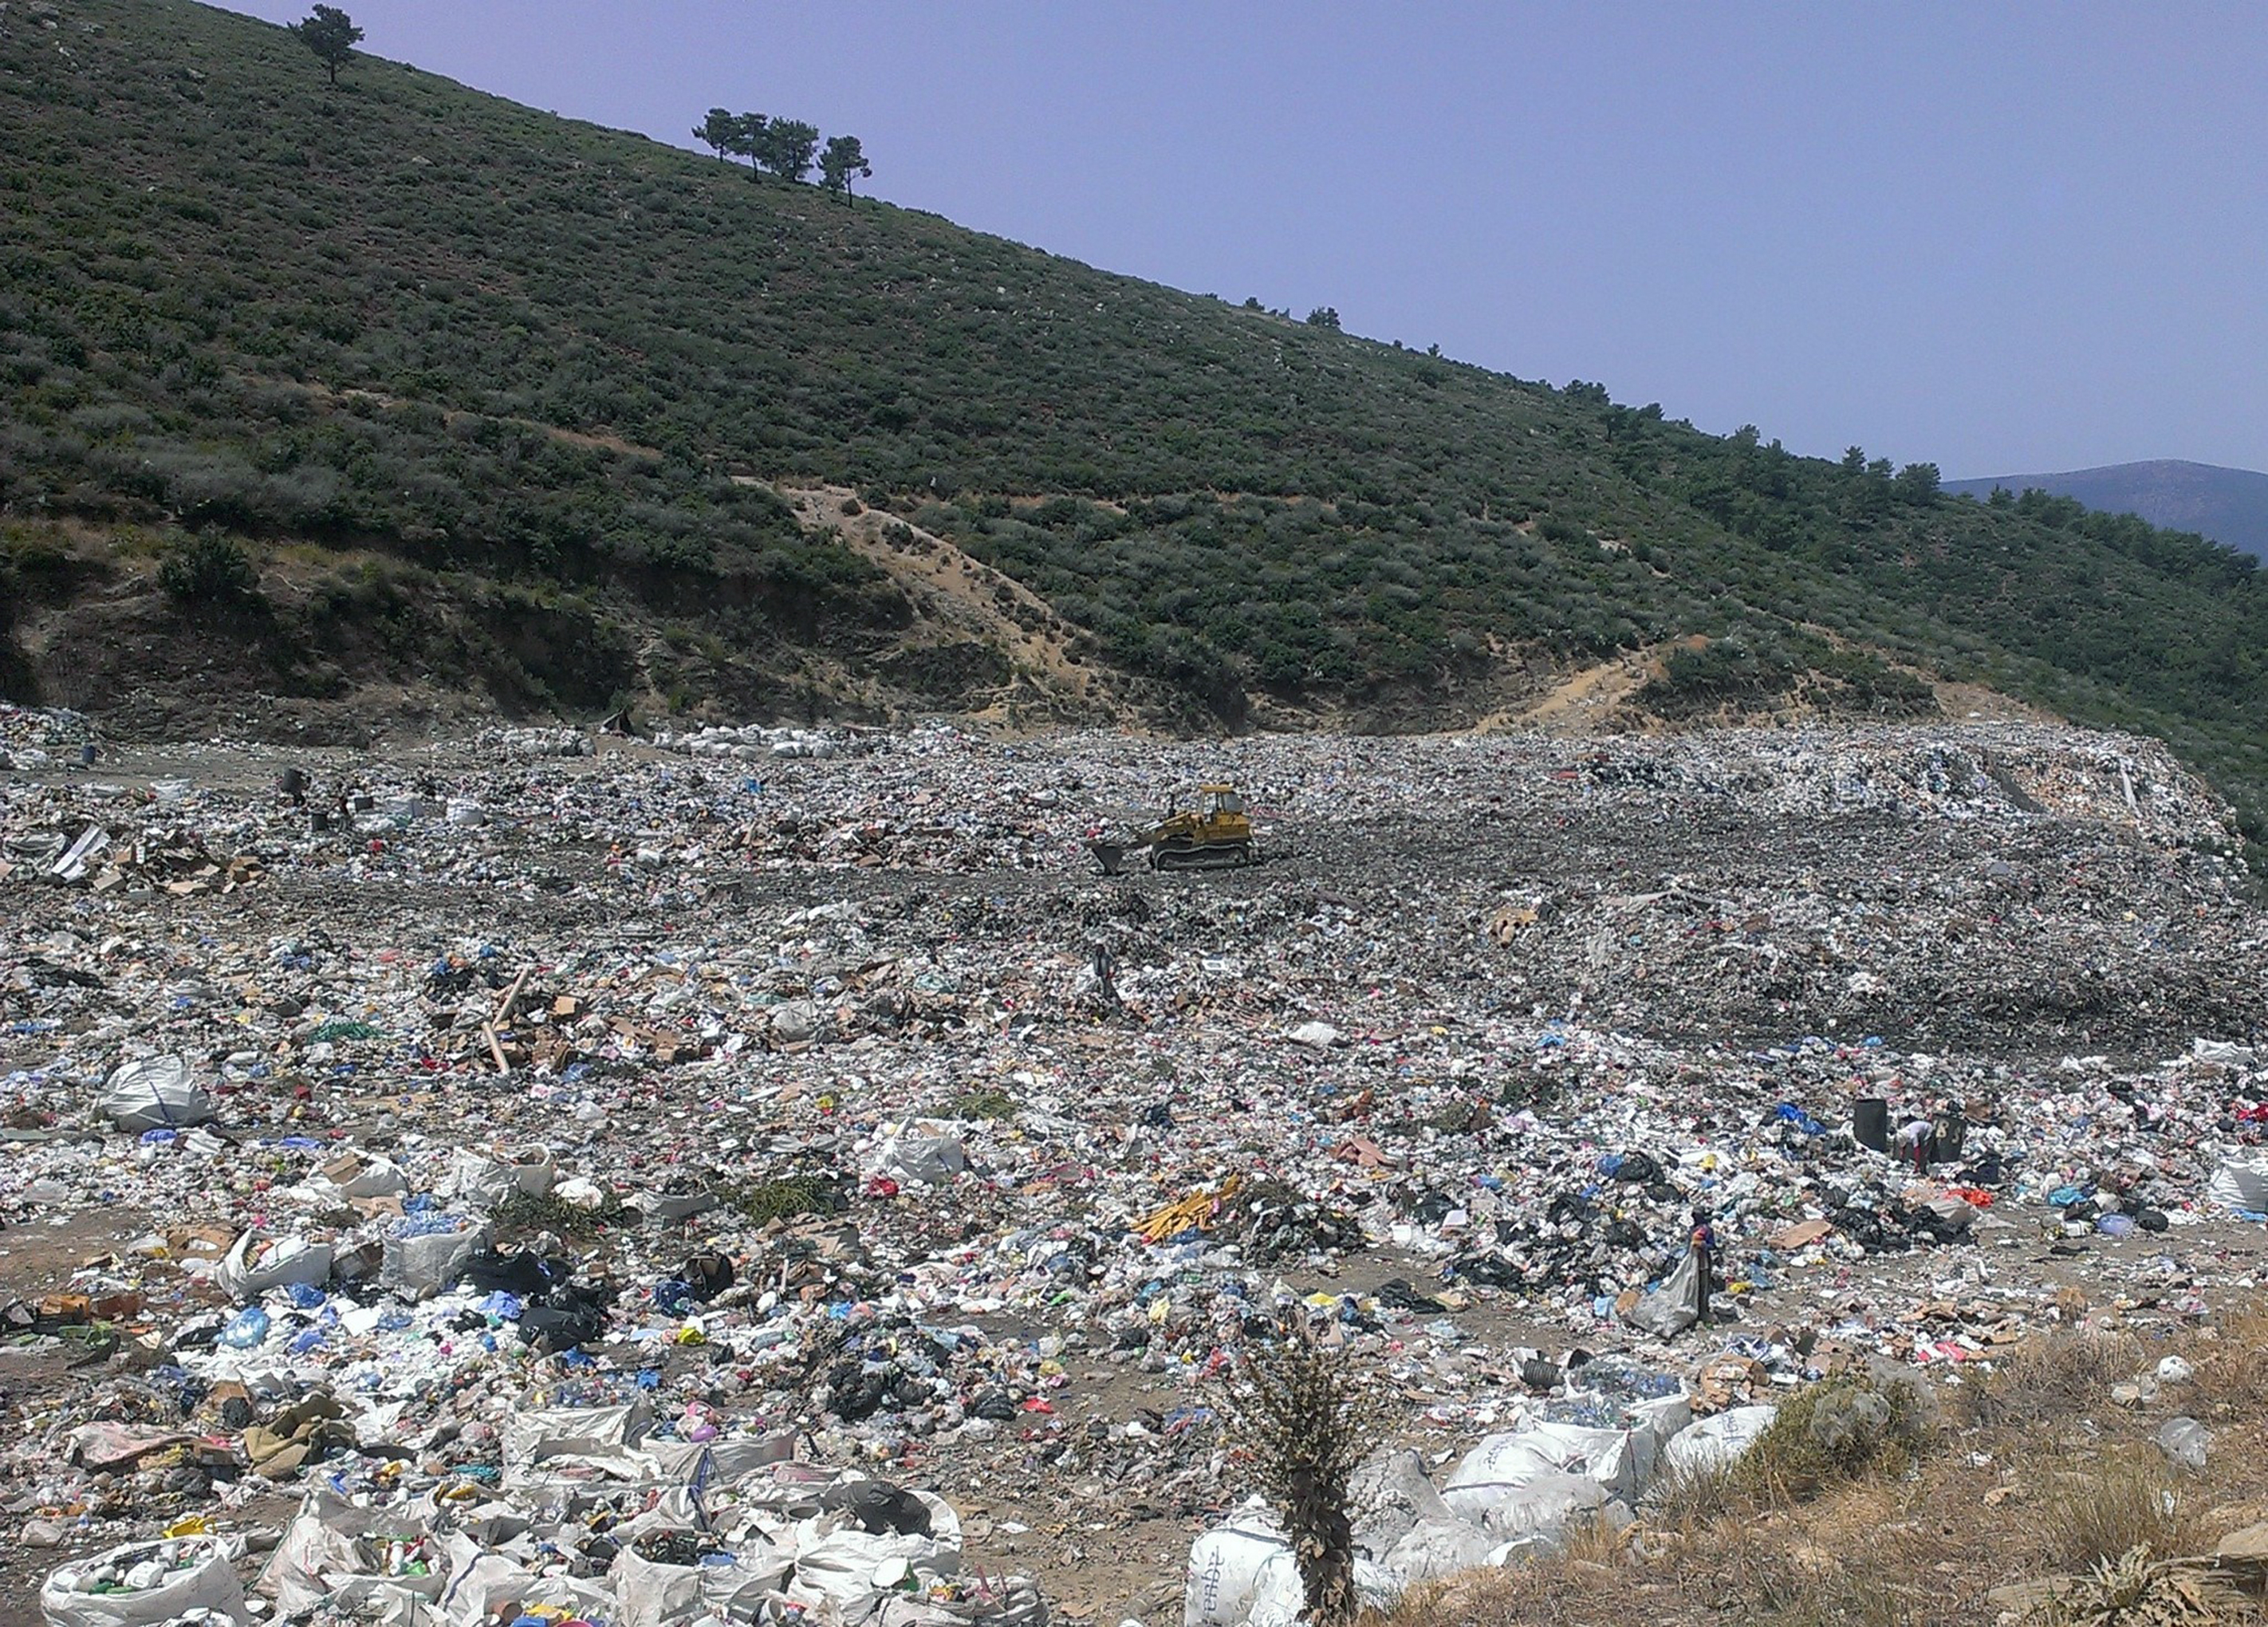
1435	1548
427	1262
1390	1496
533	1168
1659	1420
384	1601
377	1178
156	1092
1715	1443
1537	1515
1520	1457
484	1178
2240	1186
1314	1035
652	1595
1671	1309
844	1569
533	1435
208	1582
2225	1051
1528	1499
1014	1603
929	1160
478	1582
1278	1595
713	1465
325	1554
478	1180
260	1260
1226	1567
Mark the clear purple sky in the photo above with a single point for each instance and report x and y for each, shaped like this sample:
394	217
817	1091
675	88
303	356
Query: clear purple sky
2000	238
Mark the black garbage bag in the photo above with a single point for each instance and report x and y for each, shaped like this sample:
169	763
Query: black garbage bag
855	1394
552	1329
1487	1269
1566	1207
995	1406
1988	1171
1396	1294
881	1508
520	1273
1431	1208
1638	1169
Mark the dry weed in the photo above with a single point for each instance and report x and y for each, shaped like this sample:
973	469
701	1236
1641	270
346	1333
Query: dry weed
2053	1377
2134	1591
2103	1510
2230	1376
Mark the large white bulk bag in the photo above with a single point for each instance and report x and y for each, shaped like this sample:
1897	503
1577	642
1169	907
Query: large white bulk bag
208	1580
155	1092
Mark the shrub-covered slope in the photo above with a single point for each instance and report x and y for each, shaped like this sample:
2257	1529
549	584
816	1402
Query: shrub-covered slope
507	402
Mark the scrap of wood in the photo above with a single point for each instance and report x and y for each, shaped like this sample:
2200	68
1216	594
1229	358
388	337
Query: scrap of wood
496	1051
512	997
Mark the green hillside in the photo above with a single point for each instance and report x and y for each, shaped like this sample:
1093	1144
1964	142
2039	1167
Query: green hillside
470	385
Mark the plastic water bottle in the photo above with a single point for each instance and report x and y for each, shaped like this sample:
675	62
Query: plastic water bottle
247	1331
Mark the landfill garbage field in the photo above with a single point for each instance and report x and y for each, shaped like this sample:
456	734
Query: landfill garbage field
773	1175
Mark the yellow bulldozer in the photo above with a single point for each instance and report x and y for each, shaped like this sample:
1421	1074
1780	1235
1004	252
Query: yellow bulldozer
1215	833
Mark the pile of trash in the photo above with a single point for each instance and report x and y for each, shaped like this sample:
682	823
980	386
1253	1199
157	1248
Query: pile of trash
754	742
34	738
176	862
587	1520
523	740
840	1110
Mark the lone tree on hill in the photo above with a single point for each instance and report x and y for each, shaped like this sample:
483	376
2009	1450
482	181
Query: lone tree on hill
842	159
719	132
331	34
1323	316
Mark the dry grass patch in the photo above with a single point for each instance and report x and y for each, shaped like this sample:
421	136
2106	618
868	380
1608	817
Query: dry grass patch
2097	1511
2053	1377
2229	1381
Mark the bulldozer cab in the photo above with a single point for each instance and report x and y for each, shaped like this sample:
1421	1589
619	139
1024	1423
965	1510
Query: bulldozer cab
1220	799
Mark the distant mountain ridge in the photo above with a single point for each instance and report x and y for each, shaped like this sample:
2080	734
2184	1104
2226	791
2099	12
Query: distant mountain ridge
2229	505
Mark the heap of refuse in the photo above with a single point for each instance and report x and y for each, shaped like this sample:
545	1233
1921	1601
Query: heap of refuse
755	743
531	741
34	738
839	1111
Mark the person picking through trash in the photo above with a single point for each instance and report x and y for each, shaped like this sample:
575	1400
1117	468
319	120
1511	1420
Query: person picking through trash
1913	1144
1703	1243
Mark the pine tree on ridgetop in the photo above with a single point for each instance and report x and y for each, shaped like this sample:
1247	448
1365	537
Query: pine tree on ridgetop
842	158
331	34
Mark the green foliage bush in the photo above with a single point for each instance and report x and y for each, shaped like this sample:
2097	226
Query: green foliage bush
208	568
1833	1430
